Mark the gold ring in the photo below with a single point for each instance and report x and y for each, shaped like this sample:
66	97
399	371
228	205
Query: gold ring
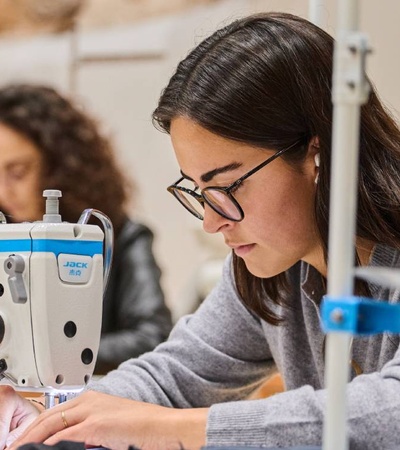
64	419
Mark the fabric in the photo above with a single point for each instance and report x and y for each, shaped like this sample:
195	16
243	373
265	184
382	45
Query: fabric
62	445
261	448
220	354
70	445
135	317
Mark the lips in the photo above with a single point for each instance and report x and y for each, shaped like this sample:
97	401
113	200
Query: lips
241	250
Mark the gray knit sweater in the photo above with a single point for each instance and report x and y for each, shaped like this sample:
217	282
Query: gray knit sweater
220	354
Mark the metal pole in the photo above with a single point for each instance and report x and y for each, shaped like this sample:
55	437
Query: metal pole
73	60
349	91
315	12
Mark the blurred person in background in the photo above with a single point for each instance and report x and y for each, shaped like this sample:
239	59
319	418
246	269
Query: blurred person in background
46	142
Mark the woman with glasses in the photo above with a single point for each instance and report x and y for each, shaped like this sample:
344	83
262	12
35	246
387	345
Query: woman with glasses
48	142
249	112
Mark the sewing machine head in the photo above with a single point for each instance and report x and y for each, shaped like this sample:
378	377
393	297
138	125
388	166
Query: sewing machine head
51	291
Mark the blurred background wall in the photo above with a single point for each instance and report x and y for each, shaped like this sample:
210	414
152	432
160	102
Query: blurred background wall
115	57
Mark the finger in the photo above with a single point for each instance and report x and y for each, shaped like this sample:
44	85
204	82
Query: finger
46	416
16	433
77	433
12	412
6	418
48	423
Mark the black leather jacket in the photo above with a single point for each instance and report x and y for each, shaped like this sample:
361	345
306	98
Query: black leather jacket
135	317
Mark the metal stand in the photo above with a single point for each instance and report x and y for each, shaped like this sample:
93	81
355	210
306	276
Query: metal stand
315	12
350	90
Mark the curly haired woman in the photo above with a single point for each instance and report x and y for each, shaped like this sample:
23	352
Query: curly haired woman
48	142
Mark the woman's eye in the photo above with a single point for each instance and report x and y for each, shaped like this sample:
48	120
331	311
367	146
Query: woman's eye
18	172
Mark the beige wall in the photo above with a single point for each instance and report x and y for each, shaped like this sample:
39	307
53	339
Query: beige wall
124	93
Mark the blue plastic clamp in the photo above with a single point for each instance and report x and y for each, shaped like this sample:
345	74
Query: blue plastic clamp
359	315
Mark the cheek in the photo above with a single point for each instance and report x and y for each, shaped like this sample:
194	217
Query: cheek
31	191
282	213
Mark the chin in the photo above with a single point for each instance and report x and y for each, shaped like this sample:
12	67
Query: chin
262	272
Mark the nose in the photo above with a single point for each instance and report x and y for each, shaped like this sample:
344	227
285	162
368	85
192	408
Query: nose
214	222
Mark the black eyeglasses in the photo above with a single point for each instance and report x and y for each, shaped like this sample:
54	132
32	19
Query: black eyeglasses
220	199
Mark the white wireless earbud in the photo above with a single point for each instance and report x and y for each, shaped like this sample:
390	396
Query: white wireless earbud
317	159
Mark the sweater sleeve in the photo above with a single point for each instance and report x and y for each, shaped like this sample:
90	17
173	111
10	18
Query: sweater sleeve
296	417
215	355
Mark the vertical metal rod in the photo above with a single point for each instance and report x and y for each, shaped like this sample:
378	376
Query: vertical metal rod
73	60
49	400
345	144
348	13
315	12
62	398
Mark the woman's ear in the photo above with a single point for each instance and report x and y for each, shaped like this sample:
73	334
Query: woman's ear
315	141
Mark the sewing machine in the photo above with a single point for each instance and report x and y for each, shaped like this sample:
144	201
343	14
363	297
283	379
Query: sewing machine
52	279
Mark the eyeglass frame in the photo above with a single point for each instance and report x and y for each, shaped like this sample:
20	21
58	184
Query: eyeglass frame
225	189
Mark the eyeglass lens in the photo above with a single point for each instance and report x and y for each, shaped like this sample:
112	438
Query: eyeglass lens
218	200
222	203
190	203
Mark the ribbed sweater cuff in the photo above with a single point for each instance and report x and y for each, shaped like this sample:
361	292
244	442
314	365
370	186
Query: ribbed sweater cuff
236	423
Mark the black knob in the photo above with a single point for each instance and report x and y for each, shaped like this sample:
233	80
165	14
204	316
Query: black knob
3	365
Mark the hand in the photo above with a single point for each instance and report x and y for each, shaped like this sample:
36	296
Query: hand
104	420
16	414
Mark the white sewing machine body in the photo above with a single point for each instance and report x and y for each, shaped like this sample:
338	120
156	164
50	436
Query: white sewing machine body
51	296
51	338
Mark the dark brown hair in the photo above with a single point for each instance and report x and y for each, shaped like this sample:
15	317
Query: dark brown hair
78	160
266	80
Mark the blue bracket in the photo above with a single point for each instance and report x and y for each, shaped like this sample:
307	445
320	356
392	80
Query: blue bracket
358	315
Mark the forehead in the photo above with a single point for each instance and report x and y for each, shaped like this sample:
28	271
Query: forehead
199	151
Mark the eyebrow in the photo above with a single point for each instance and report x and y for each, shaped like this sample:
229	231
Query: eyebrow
208	176
11	164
